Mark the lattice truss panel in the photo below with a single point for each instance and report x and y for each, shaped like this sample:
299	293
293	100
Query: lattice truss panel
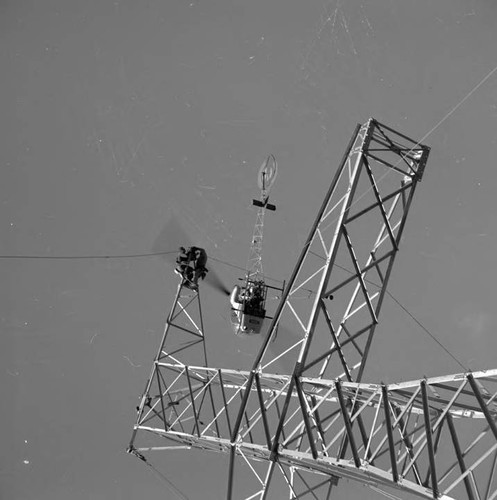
434	437
183	339
303	430
347	259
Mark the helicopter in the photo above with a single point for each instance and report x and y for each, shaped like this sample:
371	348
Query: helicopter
248	301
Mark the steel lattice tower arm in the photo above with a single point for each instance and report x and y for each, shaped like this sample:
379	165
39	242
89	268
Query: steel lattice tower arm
308	427
349	253
347	257
435	438
183	339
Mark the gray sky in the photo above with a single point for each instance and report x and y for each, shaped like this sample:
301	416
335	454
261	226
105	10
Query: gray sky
117	116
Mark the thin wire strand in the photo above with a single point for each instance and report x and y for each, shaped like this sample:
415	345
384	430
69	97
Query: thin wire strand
447	115
86	257
144	255
110	257
391	496
460	103
413	318
169	484
154	254
234	266
427	331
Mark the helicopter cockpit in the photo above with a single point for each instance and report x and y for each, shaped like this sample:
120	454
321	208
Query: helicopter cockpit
248	307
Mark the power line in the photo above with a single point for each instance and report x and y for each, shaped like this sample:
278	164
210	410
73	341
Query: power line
425	136
427	331
391	496
170	485
424	328
413	318
112	257
234	266
85	257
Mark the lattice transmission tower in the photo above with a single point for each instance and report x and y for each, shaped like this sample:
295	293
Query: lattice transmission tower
303	430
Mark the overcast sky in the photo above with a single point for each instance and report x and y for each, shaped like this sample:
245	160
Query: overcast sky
118	117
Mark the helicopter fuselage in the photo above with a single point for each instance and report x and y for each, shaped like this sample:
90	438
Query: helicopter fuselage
248	307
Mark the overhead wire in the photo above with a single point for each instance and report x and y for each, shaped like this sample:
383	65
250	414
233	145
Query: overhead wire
119	256
388	495
427	331
86	257
170	485
447	115
152	254
234	266
155	254
425	136
404	308
174	489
